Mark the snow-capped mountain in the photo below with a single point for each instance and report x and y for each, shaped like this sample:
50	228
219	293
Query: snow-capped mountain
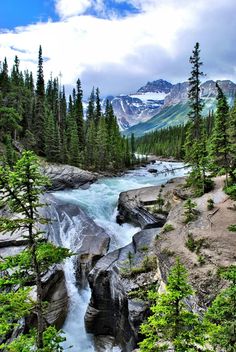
175	108
142	105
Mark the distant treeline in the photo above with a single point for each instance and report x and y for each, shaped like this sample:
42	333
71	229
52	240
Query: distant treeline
169	142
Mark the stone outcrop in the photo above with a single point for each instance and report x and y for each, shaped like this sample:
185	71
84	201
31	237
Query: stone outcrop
88	240
111	311
56	296
67	177
132	205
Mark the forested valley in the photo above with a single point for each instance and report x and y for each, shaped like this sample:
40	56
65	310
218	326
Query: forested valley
38	118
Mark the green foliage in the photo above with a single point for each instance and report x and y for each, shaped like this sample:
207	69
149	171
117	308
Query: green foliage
20	190
144	293
130	257
168	117
190	212
194	245
165	142
201	260
220	319
195	142
9	121
13	306
231	191
25	343
160	201
219	144
167	228
232	228
41	120
148	264
171	323
232	141
210	204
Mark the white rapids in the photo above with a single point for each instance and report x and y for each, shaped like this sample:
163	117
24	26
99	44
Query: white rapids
99	202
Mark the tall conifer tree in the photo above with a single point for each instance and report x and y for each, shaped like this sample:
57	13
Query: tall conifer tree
79	115
232	139
39	113
219	147
195	144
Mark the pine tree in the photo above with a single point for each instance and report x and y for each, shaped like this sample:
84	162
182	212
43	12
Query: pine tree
9	122
172	324
98	108
10	154
219	145
91	108
73	143
20	190
101	156
195	144
79	115
220	318
90	146
51	138
232	140
4	79
132	145
39	110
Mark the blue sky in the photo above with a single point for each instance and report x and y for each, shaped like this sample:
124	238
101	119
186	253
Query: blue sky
24	12
119	45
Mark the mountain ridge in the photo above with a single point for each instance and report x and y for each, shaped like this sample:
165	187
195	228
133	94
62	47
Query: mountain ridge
160	104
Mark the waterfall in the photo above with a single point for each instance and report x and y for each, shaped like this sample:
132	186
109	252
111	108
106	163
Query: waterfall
96	205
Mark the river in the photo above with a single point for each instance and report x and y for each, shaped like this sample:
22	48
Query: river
99	202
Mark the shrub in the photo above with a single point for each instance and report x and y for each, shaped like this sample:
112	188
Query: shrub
190	211
194	245
190	243
148	264
201	260
231	191
210	204
232	228
167	228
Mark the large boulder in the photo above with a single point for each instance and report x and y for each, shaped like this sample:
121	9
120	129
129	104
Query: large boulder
133	204
67	176
111	311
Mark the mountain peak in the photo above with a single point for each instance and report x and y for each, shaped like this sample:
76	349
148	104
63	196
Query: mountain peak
158	86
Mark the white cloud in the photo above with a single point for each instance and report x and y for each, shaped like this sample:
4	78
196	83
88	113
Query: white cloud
68	8
117	54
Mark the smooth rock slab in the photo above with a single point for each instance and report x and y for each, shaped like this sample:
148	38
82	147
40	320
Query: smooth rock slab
67	176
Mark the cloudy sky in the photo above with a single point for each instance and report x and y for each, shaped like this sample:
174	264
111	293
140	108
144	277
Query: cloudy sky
120	45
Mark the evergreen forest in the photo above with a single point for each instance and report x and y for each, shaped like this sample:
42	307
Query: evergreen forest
38	117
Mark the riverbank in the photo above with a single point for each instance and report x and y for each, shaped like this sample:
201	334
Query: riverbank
64	176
